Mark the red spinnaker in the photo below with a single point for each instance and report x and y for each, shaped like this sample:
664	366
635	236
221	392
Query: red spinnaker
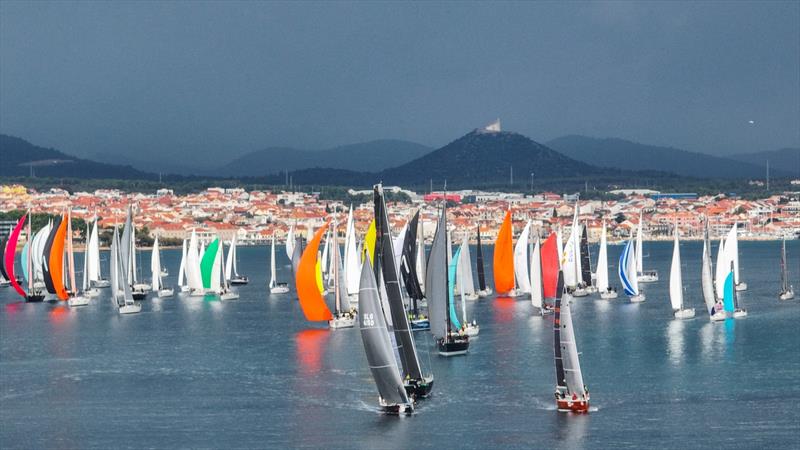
549	266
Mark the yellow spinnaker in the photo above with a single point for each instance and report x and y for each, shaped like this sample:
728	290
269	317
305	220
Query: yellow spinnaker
369	242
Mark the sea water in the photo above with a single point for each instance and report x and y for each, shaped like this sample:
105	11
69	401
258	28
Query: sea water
252	373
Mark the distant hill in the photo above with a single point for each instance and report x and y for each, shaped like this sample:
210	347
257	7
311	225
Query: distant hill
622	154
485	158
146	164
372	156
785	159
21	158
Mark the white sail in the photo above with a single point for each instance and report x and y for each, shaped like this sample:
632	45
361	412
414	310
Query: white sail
235	255
182	269
465	268
85	283
560	247
521	271
568	260
92	255
216	270
602	262
290	242
569	350
352	260
707	280
536	276
397	245
722	269
576	251
421	260
639	237
323	262
155	266
675	278
732	248
631	271
229	260
272	268
193	277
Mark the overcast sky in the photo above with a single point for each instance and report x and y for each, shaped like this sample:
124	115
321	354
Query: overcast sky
225	78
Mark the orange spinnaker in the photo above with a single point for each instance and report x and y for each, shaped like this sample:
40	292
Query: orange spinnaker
311	300
549	266
504	258
56	260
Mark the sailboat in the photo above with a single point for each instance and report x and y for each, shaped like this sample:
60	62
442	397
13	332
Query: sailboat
483	289
34	293
183	281
225	291
676	283
465	281
121	293
93	255
311	300
643	276
90	266
712	301
352	264
343	315
606	291
571	394
503	260
729	298
732	247
275	286
129	251
75	298
627	273
155	268
550	265
53	267
393	398
449	340
471	329
290	243
521	272
194	279
416	383
235	278
408	270
787	291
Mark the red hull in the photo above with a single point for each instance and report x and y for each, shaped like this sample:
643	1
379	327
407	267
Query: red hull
576	406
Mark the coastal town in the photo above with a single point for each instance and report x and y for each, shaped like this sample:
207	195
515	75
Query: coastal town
255	216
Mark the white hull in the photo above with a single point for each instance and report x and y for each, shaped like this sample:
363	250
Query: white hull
485	293
229	295
638	298
102	283
591	289
166	293
279	290
788	295
608	295
403	408
740	314
687	313
342	321
471	296
742	286
130	309
472	329
456	353
142	287
184	288
580	292
513	294
5	283
718	317
78	301
647	277
91	292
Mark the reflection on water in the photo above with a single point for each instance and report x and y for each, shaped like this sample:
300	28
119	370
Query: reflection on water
572	429
59	314
675	341
310	345
503	310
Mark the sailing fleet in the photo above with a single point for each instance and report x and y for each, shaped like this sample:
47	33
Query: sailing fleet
388	286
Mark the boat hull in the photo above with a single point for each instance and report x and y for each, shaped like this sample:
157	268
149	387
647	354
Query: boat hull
608	295
718	317
650	276
139	295
457	345
580	292
342	321
130	309
35	298
485	293
742	286
578	406
472	329
102	283
395	409
639	298
419	388
166	293
78	301
229	296
740	313
280	288
241	279
788	295
687	313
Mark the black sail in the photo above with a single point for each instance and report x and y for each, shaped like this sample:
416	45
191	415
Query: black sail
586	265
48	247
377	342
408	265
481	274
385	264
560	376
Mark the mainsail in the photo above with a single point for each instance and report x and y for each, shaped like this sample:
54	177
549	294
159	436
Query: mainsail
436	289
550	266
479	262
537	297
602	262
675	277
521	260
627	270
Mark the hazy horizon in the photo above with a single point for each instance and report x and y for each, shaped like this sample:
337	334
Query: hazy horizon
174	79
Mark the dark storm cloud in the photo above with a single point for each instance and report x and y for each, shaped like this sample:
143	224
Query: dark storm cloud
224	78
